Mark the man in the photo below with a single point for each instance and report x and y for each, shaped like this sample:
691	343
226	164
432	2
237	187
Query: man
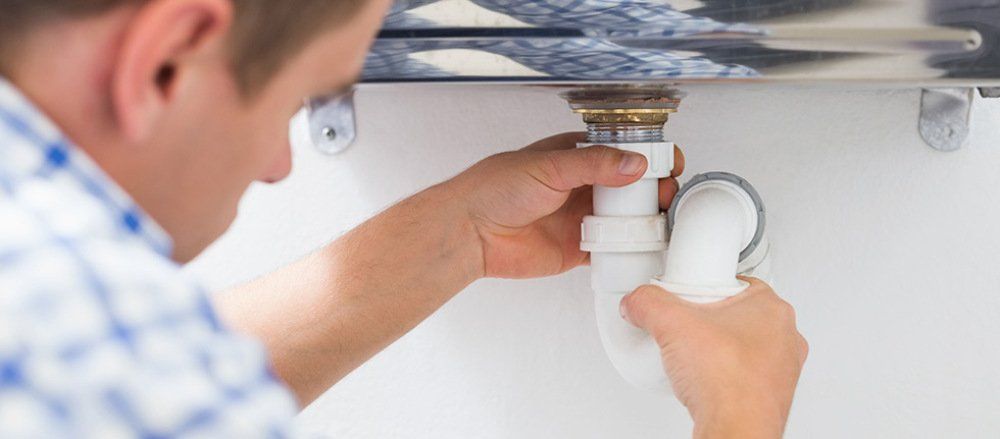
129	129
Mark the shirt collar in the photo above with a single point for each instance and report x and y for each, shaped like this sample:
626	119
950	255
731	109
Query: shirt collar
56	153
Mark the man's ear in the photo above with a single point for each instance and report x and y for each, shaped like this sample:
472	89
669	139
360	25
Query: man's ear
157	49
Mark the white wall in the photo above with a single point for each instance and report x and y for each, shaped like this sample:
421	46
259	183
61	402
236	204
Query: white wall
886	247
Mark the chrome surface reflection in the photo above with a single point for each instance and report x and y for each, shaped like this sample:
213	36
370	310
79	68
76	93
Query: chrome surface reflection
902	42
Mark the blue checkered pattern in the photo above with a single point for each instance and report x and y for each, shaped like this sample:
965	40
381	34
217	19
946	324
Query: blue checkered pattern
100	333
594	57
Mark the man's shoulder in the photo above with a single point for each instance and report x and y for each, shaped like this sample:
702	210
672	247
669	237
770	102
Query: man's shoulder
99	334
37	209
62	288
76	250
68	277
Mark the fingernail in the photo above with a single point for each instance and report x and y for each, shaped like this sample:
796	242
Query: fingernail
630	165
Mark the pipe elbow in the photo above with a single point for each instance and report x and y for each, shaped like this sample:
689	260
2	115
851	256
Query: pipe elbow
713	221
634	354
716	221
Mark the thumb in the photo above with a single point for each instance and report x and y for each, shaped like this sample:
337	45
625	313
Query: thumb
650	306
595	165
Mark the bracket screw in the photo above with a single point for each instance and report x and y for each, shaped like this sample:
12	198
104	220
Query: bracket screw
329	133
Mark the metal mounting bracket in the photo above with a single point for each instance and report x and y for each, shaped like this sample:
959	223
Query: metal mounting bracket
989	92
332	125
944	117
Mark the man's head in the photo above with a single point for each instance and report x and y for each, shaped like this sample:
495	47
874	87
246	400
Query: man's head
184	102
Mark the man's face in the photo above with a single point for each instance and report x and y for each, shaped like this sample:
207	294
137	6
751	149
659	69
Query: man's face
220	142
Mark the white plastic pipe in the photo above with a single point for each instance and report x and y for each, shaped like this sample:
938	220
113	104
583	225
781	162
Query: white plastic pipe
638	199
714	222
627	238
631	350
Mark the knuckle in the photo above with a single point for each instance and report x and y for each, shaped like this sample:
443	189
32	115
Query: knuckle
640	303
786	309
502	157
550	169
653	301
649	293
758	284
570	137
505	155
803	348
775	305
635	303
597	155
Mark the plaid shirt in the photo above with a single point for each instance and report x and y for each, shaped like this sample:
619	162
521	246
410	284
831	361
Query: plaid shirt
100	333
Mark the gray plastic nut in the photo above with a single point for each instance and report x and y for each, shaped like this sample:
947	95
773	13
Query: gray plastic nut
758	236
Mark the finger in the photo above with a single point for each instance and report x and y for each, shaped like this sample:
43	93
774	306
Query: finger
757	290
679	162
647	306
594	165
754	282
581	203
558	142
668	190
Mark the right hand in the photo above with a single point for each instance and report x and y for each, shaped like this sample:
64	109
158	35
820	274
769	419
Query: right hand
734	364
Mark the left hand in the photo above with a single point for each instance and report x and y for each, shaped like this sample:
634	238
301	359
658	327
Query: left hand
527	205
734	364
